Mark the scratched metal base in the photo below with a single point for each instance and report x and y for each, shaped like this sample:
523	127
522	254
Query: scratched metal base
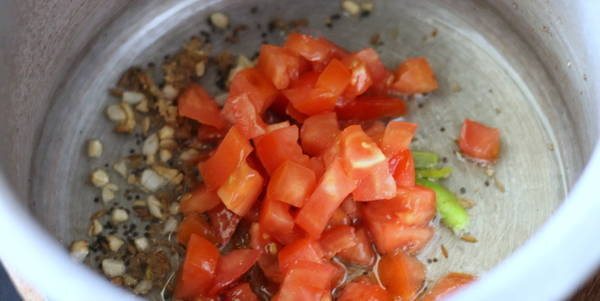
486	73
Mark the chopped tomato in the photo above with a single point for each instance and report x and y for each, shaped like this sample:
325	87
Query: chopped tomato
240	110
195	103
276	147
233	149
371	107
291	183
194	224
319	132
276	220
412	206
360	155
279	64
301	250
364	292
402	275
311	101
337	239
199	200
335	78
223	223
371	59
414	76
360	79
231	267
377	185
361	253
336	50
207	133
261	91
479	141
241	292
242	189
351	208
268	261
306	80
335	185
295	114
317	166
376	131
198	269
447	286
339	218
314	50
307	281
397	137
402	166
391	236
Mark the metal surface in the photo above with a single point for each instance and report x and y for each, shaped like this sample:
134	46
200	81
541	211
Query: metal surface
525	68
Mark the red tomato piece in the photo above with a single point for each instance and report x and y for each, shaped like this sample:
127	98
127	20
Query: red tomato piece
361	253
317	166
447	286
194	224
276	147
276	126
295	114
312	49
268	261
376	131
390	236
319	132
364	292
339	218
291	183
311	101
412	206
240	110
414	76
231	267
198	269
276	220
279	64
402	166
337	239
397	137
360	79
260	89
195	103
301	250
479	141
207	133
306	80
351	208
371	107
231	152
402	275
336	51
360	155
377	185
335	78
223	223
199	200
242	189
241	292
335	185
371	59
307	281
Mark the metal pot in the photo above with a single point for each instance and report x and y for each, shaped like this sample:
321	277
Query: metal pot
527	67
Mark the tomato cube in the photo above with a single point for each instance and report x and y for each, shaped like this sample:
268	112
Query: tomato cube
194	224
319	132
391	236
402	275
479	141
198	269
278	146
377	185
360	79
260	89
279	64
240	292
360	155
301	250
397	137
223	223
195	103
240	111
361	253
307	281
361	291
335	78
374	65
291	183
199	200
412	206
402	166
371	107
231	267
241	189
312	49
337	239
276	220
447	286
414	76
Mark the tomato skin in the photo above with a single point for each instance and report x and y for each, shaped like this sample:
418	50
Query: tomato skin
198	269
231	151
414	76
291	183
371	107
319	132
195	103
260	89
223	223
199	200
397	137
301	250
231	267
276	220
402	275
337	239
335	185
479	141
241	292
314	50
242	189
276	147
194	224
361	253
402	166
447	286
279	64
240	110
364	292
